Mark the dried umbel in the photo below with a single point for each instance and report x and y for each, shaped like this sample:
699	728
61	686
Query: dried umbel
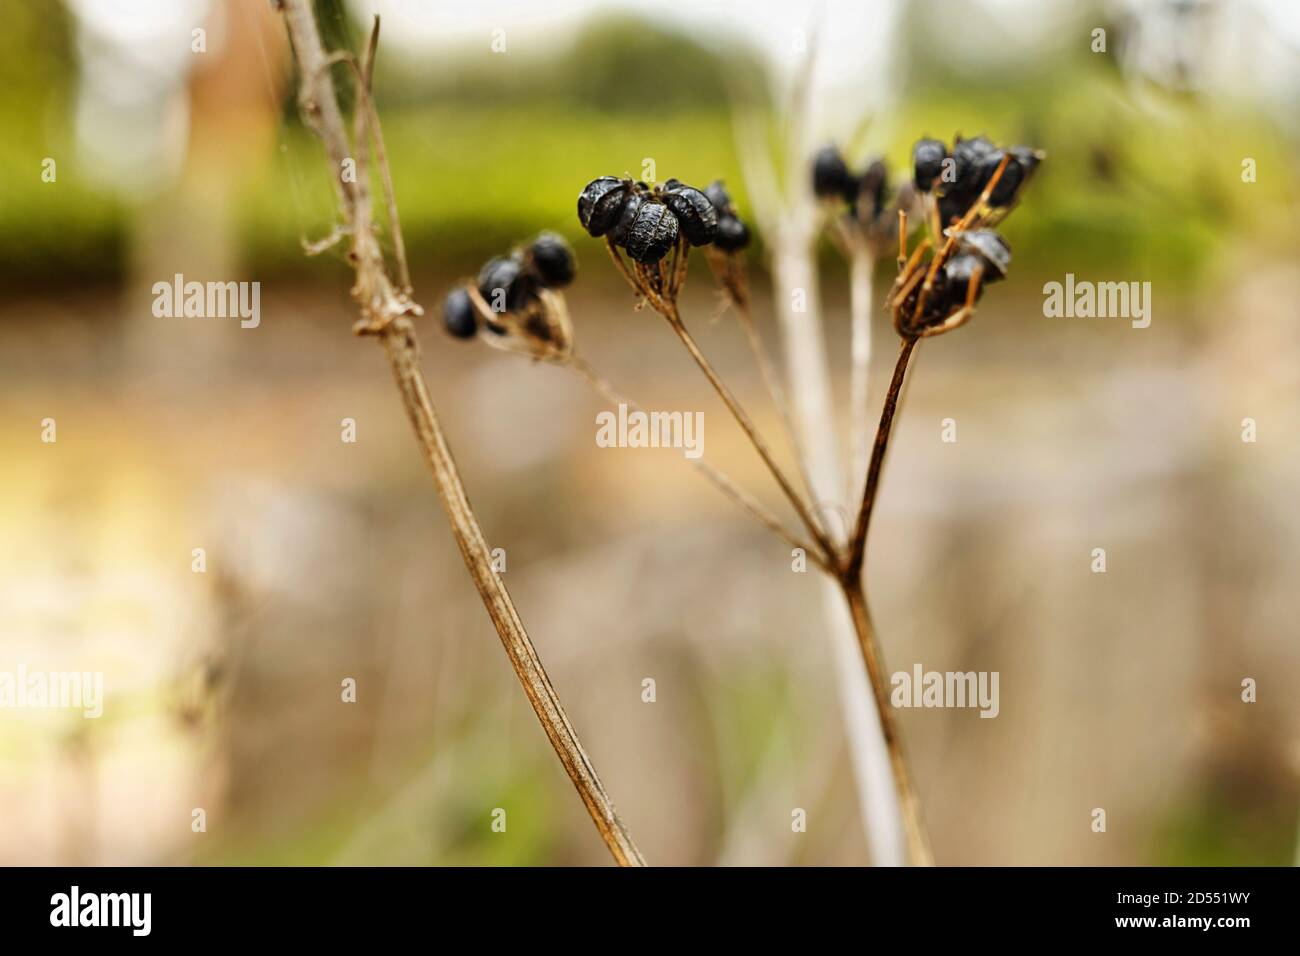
864	210
936	294
646	222
656	227
515	300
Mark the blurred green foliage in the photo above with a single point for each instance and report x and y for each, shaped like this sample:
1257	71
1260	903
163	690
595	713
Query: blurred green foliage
483	157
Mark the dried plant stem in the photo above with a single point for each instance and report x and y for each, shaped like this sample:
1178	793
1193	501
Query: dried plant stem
858	543
855	595
913	824
720	479
772	382
788	218
801	507
386	312
519	647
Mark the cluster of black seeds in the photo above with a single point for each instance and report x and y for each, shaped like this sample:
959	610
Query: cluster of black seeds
647	222
510	284
864	193
959	183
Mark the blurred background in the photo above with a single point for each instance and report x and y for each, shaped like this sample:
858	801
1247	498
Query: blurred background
327	560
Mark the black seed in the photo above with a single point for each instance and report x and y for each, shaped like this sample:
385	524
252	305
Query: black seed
652	234
958	273
600	203
695	214
1027	157
719	196
552	260
927	162
975	158
830	175
504	285
1021	166
626	217
990	248
459	315
1008	184
732	234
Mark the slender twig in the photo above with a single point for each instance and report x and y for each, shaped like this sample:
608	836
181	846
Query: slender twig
858	543
913	824
801	507
386	312
735	289
724	482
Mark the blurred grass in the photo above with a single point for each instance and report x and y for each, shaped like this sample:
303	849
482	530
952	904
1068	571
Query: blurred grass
480	165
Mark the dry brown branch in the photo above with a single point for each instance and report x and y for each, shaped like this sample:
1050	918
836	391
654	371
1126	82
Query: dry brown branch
386	312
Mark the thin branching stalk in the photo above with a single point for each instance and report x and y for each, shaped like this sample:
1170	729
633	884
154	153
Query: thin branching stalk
801	507
659	287
858	543
913	823
386	312
729	269
724	482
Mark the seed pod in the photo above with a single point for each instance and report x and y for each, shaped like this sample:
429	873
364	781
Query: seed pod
988	247
600	203
504	285
696	217
652	234
1024	161
626	216
719	196
551	260
958	273
829	173
927	162
939	303
459	315
732	234
976	159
